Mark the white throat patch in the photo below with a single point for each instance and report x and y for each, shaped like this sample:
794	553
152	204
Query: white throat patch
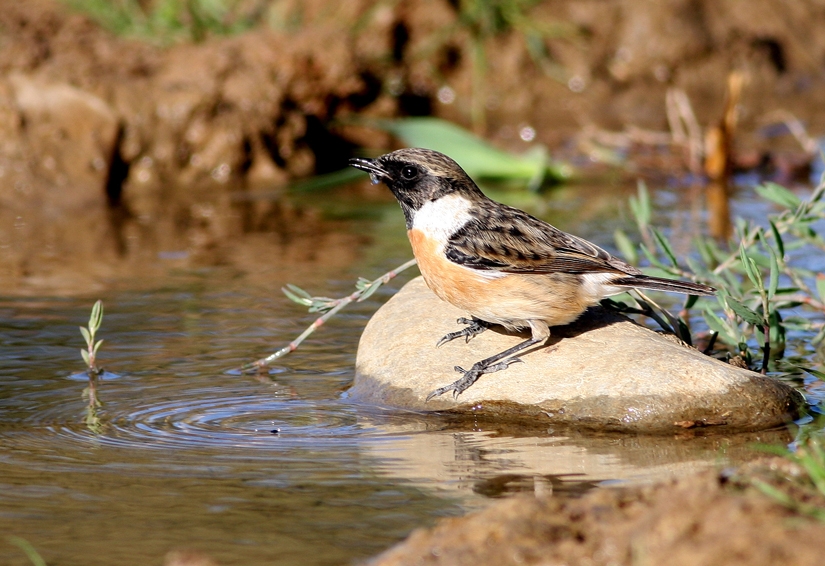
441	218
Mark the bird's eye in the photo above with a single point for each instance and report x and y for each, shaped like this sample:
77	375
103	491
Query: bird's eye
409	173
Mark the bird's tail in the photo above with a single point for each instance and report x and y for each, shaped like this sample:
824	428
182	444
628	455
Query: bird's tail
659	284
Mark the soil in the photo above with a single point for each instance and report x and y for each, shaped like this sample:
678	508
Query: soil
712	519
113	150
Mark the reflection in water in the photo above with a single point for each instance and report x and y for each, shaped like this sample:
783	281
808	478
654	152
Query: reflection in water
90	394
718	204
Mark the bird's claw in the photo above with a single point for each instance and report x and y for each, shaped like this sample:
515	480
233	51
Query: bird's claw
470	376
474	328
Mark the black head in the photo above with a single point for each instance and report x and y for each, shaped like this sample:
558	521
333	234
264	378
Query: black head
416	176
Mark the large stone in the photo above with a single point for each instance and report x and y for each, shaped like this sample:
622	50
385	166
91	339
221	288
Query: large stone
602	372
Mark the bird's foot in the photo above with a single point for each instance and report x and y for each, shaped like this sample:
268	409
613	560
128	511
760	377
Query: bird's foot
474	328
471	376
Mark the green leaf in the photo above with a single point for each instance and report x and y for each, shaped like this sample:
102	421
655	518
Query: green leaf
86	336
477	157
820	286
297	295
298	291
750	267
746	265
778	194
718	325
780	244
696	267
665	245
97	346
640	206
652	258
773	282
24	545
626	247
316	183
760	284
744	312
777	329
816	373
85	356
369	291
96	318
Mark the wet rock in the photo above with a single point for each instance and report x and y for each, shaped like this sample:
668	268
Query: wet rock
603	372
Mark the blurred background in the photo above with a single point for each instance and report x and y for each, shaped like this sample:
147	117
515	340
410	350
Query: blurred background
138	134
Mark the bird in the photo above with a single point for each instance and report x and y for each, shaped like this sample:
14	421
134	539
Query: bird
498	263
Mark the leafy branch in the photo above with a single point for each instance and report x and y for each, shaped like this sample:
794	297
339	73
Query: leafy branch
758	281
330	307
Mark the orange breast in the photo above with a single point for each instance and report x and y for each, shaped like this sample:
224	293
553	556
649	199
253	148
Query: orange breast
510	299
451	282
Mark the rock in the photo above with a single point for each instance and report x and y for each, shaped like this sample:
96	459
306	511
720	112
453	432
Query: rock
602	372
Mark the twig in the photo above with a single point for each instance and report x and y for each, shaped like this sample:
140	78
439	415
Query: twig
686	129
334	305
796	129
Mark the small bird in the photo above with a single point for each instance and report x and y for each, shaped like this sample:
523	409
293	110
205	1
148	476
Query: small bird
498	263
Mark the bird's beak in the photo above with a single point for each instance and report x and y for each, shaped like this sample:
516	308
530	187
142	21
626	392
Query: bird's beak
371	166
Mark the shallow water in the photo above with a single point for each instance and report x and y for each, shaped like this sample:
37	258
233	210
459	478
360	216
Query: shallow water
275	469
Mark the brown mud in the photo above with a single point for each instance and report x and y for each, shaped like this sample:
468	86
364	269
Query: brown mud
112	150
712	518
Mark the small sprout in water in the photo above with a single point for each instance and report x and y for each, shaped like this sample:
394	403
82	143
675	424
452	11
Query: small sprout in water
92	346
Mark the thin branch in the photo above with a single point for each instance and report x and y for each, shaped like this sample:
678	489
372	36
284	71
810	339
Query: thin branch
336	305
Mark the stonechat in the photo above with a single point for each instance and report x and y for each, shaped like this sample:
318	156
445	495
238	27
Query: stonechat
498	263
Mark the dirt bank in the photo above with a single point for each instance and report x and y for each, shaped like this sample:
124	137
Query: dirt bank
712	518
113	149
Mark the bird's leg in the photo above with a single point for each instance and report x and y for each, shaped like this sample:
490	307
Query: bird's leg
474	327
500	361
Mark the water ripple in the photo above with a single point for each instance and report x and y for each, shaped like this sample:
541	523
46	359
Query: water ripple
199	420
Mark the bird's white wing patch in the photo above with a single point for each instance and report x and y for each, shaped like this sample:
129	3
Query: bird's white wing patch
597	286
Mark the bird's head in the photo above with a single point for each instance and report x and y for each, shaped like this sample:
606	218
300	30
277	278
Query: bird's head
416	176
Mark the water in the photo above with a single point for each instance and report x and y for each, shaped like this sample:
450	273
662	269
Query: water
274	469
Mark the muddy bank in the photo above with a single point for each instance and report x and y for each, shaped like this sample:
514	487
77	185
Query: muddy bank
112	148
710	518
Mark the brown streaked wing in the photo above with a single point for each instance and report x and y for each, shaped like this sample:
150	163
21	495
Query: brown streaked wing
509	240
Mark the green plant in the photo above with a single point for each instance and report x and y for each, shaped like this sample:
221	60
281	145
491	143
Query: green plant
759	281
24	545
92	346
803	490
165	21
92	419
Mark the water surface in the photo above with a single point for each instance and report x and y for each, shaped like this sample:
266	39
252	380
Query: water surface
273	469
